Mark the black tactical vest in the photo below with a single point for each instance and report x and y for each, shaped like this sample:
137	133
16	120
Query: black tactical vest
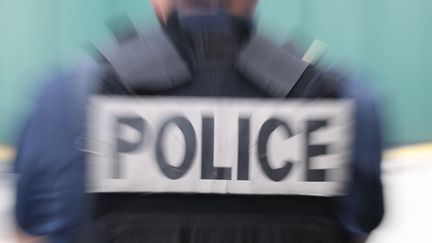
211	65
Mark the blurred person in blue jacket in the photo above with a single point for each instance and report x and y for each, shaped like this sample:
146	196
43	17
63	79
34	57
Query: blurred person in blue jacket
207	49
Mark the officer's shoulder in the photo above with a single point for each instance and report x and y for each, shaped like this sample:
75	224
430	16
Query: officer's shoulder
69	85
284	70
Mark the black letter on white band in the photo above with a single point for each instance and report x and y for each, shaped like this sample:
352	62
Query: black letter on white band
188	131
266	130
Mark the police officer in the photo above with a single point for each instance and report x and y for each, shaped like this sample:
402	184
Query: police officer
208	49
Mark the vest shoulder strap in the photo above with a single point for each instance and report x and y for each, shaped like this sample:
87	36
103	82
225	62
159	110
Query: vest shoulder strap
150	61
145	61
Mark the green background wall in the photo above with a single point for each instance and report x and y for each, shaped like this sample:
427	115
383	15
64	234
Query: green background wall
389	40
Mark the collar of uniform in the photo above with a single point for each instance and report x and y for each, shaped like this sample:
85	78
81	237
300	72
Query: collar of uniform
211	37
206	23
220	22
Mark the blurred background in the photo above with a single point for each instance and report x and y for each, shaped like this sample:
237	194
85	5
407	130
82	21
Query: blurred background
388	41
